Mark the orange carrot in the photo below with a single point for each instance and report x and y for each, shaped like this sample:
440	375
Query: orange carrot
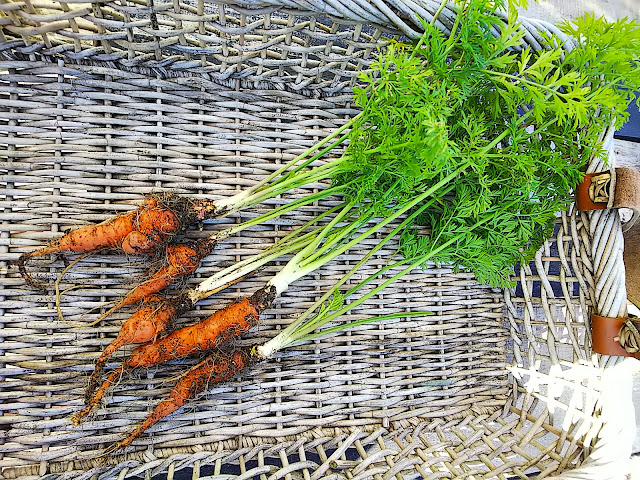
108	234
140	231
154	225
149	322
217	367
180	260
223	325
212	332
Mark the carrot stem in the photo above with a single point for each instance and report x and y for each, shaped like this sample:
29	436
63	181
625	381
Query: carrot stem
307	152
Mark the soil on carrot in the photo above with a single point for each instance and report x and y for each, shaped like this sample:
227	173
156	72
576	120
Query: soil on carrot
219	366
263	298
145	230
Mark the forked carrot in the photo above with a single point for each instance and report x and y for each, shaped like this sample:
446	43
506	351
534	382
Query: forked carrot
227	323
180	260
217	367
150	321
142	230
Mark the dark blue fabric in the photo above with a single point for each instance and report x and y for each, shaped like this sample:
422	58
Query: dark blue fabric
631	130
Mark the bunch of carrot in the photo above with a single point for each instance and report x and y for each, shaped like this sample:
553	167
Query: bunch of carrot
225	325
149	229
419	155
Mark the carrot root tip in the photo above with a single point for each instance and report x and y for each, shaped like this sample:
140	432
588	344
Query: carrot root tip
76	419
80	415
104	456
21	263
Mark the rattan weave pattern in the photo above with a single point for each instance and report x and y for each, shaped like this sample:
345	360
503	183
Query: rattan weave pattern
103	102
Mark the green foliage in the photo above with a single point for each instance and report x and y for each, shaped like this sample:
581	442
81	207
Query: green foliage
608	55
522	124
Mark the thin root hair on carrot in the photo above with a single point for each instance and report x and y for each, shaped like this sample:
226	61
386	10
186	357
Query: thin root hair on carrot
59	294
149	322
217	367
217	329
21	264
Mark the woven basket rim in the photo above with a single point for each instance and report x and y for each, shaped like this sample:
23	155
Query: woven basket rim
157	461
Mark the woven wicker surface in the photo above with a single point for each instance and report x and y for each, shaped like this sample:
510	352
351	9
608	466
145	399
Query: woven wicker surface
105	102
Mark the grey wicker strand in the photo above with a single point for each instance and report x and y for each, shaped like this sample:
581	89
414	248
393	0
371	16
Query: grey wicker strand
607	254
629	336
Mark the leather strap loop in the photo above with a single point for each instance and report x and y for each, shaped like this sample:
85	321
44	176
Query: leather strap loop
616	188
605	336
627	192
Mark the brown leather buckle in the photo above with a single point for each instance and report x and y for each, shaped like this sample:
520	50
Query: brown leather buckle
604	336
594	192
616	188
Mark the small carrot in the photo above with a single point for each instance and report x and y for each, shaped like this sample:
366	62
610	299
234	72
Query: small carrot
180	260
217	367
149	322
212	332
139	231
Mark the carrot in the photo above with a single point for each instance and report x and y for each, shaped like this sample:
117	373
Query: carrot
217	367
139	231
180	260
149	322
212	332
154	225
107	234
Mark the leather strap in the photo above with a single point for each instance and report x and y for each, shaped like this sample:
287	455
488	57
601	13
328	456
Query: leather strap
616	188
605	336
631	256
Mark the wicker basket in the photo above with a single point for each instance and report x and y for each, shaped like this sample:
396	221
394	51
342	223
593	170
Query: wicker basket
104	101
